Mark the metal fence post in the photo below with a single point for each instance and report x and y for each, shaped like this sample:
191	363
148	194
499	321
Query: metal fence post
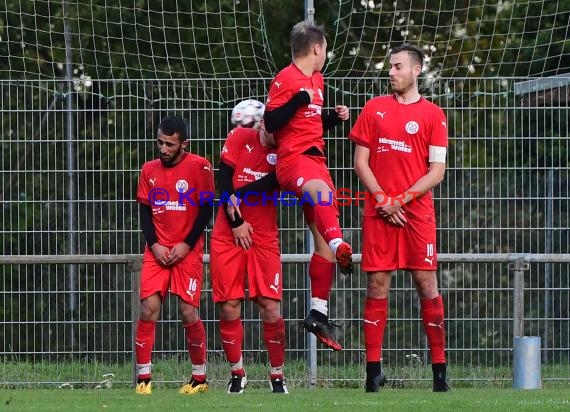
134	265
518	267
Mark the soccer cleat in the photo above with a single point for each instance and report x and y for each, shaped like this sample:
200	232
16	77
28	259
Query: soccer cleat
194	387
143	388
439	378
278	386
237	384
323	331
344	258
374	382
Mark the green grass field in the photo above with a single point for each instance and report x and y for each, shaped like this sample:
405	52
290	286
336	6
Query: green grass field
299	400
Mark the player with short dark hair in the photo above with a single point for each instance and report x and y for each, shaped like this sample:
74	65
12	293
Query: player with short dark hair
294	114
245	250
401	146
175	195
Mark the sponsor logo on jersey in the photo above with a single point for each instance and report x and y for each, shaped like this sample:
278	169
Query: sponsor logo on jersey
256	175
398	145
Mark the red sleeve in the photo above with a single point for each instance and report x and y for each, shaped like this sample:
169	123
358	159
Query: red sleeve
231	149
438	135
205	178
143	187
360	132
281	91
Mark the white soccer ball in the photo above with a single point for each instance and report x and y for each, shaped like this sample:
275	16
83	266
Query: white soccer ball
248	113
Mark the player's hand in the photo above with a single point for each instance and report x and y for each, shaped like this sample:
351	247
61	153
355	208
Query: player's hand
233	207
242	235
161	253
398	218
178	252
392	210
342	111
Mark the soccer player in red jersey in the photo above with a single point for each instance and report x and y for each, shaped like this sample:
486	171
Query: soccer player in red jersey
245	249
175	195
294	114
401	146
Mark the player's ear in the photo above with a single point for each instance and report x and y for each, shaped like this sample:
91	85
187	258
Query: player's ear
316	49
185	144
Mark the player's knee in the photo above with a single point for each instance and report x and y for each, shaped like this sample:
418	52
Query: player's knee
189	314
230	310
270	310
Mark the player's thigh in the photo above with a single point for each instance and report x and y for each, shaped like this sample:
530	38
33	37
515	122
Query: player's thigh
227	270
154	277
418	246
264	271
379	245
186	278
293	174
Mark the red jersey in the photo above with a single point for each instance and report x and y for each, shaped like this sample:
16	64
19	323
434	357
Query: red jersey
174	194
305	129
398	137
251	161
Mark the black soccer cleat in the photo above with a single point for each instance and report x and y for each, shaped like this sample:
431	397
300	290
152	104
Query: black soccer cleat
278	386
375	378
324	331
439	378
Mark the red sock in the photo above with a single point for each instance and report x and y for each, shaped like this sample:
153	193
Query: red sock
196	340
231	332
274	338
321	272
144	342
375	316
326	220
432	316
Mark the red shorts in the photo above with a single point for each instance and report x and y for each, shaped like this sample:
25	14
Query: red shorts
387	247
230	264
294	173
183	279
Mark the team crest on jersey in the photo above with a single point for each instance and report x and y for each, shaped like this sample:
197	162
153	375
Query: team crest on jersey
272	159
412	127
182	186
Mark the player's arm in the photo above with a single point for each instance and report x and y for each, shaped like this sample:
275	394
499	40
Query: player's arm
225	183
205	211
431	179
147	227
240	228
276	118
423	185
159	251
267	183
332	118
365	174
